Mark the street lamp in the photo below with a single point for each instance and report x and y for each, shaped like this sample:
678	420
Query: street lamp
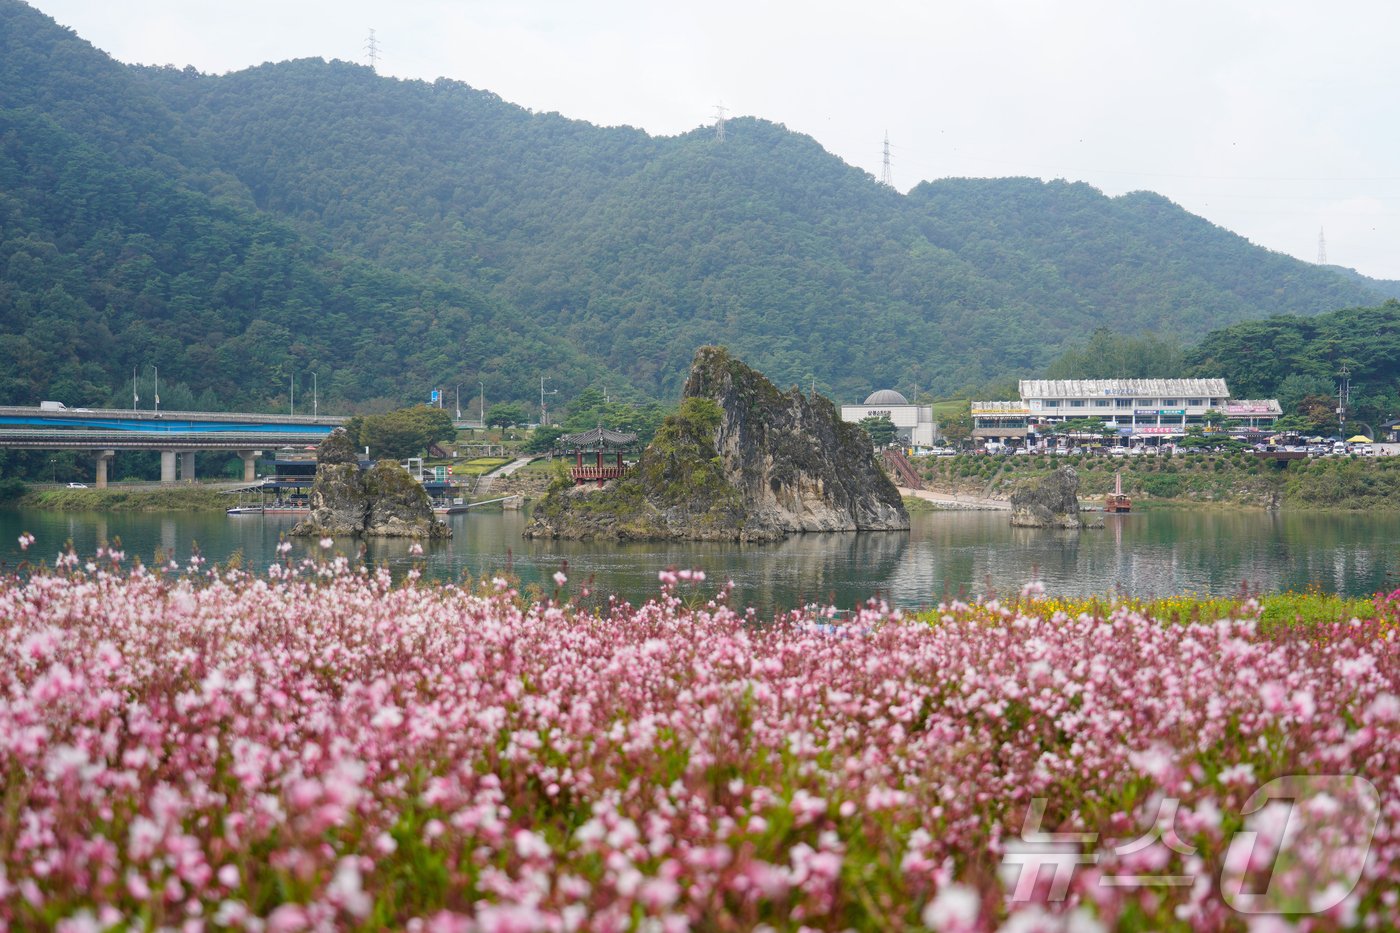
544	414
483	403
315	398
292	402
156	386
459	401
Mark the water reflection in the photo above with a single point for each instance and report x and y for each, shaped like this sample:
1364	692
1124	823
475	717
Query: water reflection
943	555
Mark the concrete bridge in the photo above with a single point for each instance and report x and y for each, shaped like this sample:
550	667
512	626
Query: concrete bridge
178	435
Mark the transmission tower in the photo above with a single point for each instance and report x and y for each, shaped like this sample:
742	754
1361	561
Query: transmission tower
1321	247
719	123
886	175
372	51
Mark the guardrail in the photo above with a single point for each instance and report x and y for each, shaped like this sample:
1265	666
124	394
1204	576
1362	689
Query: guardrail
137	414
127	440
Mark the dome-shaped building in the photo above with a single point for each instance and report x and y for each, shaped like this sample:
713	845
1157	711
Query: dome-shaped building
915	423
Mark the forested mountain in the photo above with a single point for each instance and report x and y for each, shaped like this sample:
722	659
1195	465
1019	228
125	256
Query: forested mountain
1296	358
111	261
241	230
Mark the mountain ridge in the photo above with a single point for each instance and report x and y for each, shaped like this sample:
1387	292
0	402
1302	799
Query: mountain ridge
455	235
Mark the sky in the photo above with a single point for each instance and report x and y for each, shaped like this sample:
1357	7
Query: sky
1277	119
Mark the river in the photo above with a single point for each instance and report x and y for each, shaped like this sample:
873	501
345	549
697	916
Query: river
945	554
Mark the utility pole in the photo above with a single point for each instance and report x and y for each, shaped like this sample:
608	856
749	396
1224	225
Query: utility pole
483	403
459	401
134	397
315	398
293	397
1343	399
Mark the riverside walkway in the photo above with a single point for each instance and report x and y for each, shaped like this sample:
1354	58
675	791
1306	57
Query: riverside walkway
948	500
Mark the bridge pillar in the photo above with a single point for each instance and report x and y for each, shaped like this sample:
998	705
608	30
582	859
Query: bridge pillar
250	464
167	466
187	466
104	457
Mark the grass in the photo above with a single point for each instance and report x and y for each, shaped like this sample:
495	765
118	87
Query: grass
949	408
916	506
1275	609
117	499
477	467
538	466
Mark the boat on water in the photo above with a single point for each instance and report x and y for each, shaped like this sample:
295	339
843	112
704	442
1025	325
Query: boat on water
1116	501
245	510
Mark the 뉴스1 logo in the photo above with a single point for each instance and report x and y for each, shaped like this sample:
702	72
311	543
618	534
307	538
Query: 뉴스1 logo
1302	849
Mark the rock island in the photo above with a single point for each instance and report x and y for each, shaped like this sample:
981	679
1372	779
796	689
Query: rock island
740	461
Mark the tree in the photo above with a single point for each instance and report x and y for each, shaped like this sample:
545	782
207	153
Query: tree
404	433
1292	422
542	439
1081	426
506	414
1213	420
957	428
881	430
1320	412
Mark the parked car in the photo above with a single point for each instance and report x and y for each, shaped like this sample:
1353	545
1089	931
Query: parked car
77	485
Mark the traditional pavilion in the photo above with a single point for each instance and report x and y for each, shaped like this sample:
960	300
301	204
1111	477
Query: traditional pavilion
596	445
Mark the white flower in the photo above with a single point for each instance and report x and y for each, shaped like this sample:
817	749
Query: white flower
956	907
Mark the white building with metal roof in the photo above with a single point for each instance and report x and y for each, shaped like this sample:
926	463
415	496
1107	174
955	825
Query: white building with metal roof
914	423
1132	407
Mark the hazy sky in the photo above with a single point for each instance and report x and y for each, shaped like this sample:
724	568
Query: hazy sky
1273	118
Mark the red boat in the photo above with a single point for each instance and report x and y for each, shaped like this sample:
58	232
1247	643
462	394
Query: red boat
1116	501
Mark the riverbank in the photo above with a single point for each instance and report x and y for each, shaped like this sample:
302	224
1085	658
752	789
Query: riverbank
1193	479
136	499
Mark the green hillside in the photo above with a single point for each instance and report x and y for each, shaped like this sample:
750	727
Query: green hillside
311	216
1299	361
111	263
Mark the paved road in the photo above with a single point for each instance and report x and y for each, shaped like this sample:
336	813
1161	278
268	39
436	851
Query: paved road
483	485
511	467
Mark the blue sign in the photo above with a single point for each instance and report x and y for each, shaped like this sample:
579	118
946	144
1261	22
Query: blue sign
435	395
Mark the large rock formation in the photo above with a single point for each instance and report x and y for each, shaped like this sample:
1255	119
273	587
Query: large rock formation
1050	501
383	501
739	461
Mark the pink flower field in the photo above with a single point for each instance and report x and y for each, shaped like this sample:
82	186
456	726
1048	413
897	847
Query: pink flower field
321	748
